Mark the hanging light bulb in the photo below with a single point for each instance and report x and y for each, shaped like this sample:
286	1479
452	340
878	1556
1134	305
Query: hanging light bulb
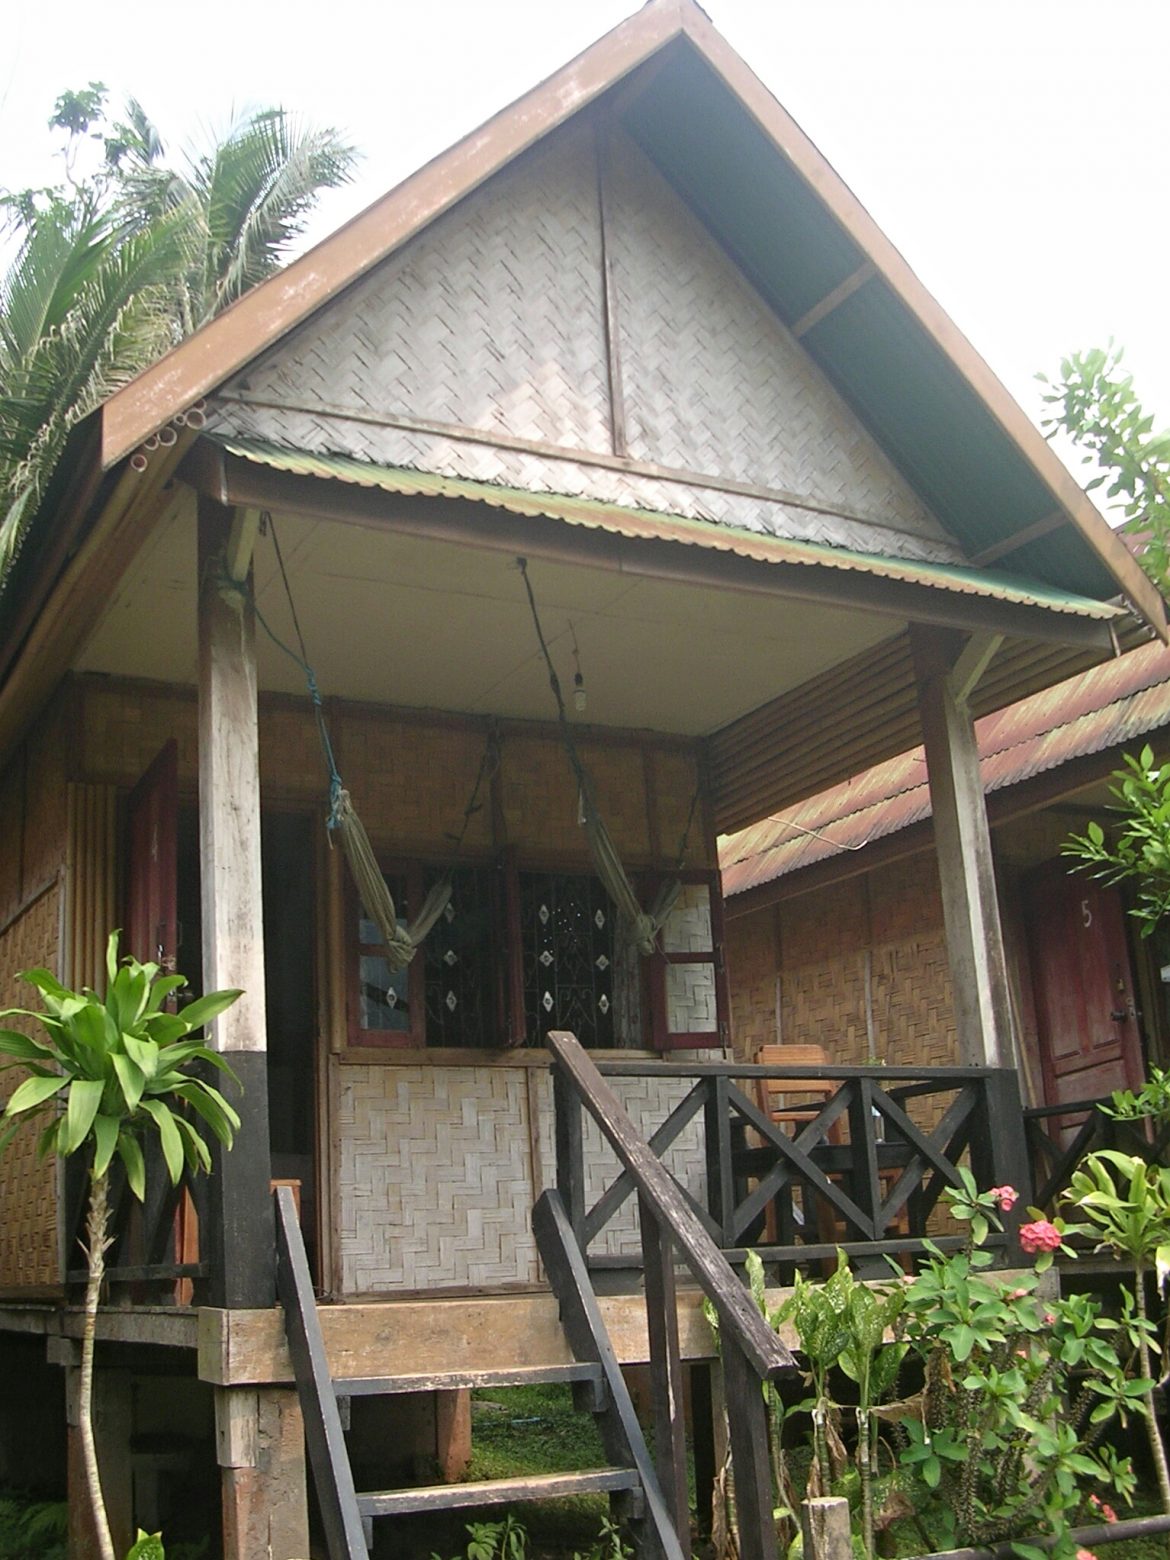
579	695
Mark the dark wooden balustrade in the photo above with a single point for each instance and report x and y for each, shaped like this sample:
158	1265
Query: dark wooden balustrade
1059	1137
863	1175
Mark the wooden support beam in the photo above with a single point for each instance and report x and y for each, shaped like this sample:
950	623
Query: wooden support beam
963	842
1032	533
974	659
833	300
241	544
241	1236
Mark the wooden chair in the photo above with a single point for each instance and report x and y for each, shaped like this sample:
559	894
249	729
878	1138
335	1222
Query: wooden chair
793	1103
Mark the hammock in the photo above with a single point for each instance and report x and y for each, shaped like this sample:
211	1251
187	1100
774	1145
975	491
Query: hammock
402	941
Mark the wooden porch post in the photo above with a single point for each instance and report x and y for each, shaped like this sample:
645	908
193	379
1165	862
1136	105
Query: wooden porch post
947	665
241	1240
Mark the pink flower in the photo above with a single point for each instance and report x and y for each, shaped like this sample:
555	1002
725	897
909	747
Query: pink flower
1006	1197
1103	1507
1041	1236
1050	1318
1086	1554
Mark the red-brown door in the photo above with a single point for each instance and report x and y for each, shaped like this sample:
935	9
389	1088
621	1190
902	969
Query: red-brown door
1085	1013
152	862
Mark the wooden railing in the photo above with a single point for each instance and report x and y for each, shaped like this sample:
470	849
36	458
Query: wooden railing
863	1175
1059	1137
154	1254
672	1228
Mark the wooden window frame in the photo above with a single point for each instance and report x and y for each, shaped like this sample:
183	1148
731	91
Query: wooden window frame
414	1038
656	966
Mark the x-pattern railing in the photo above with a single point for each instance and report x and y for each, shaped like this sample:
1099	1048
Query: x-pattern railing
869	1165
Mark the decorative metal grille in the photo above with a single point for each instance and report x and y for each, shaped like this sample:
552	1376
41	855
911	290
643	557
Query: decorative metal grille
567	926
461	965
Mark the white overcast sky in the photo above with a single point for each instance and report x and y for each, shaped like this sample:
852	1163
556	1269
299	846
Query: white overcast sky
1016	151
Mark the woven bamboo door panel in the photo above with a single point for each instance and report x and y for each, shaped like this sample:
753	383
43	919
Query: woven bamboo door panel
435	1175
28	1186
649	1101
91	904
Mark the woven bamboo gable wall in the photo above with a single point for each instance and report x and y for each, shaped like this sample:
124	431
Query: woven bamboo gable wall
502	318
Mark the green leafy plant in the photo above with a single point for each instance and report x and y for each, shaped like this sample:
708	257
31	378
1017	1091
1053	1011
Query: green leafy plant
1136	850
1126	1203
109	1074
1093	402
503	1540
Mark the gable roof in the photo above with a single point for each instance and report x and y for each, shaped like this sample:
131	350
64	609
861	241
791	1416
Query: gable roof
761	187
1116	703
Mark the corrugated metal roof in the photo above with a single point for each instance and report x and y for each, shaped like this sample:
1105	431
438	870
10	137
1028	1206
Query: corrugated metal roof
1113	704
653	525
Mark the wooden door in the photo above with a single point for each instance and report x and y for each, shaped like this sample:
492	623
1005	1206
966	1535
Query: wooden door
1086	1016
152	862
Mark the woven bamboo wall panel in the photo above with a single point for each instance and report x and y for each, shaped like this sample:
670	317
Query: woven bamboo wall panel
836	918
435	1178
905	899
649	1101
48	750
674	780
540	797
12	810
411	782
124	725
438	1177
28	1186
753	974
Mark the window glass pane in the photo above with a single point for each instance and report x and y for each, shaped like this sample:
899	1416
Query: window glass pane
567	924
459	953
385	1004
688	927
690	999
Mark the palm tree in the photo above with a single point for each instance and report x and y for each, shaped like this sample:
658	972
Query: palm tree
116	269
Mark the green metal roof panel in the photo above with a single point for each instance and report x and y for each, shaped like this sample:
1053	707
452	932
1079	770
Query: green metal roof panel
932	423
754	202
649	525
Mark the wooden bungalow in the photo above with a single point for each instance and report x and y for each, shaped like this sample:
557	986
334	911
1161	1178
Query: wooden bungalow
780	522
1089	992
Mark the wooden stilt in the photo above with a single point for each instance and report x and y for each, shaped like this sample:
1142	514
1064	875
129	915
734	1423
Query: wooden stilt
261	1451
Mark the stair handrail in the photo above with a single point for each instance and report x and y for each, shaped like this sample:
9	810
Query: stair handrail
739	1318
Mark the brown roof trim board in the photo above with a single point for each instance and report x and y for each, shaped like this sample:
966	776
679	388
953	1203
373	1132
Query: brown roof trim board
270	310
791	140
197	365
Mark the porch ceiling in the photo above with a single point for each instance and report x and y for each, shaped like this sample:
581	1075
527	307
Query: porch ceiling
398	619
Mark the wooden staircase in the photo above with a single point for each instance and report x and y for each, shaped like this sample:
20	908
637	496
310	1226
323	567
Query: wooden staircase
629	1479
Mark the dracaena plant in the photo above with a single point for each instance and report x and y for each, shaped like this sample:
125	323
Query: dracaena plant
110	1074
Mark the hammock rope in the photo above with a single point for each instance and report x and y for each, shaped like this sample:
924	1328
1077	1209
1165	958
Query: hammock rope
646	925
402	941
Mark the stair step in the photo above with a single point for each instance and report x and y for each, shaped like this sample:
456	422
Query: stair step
451	1380
496	1492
